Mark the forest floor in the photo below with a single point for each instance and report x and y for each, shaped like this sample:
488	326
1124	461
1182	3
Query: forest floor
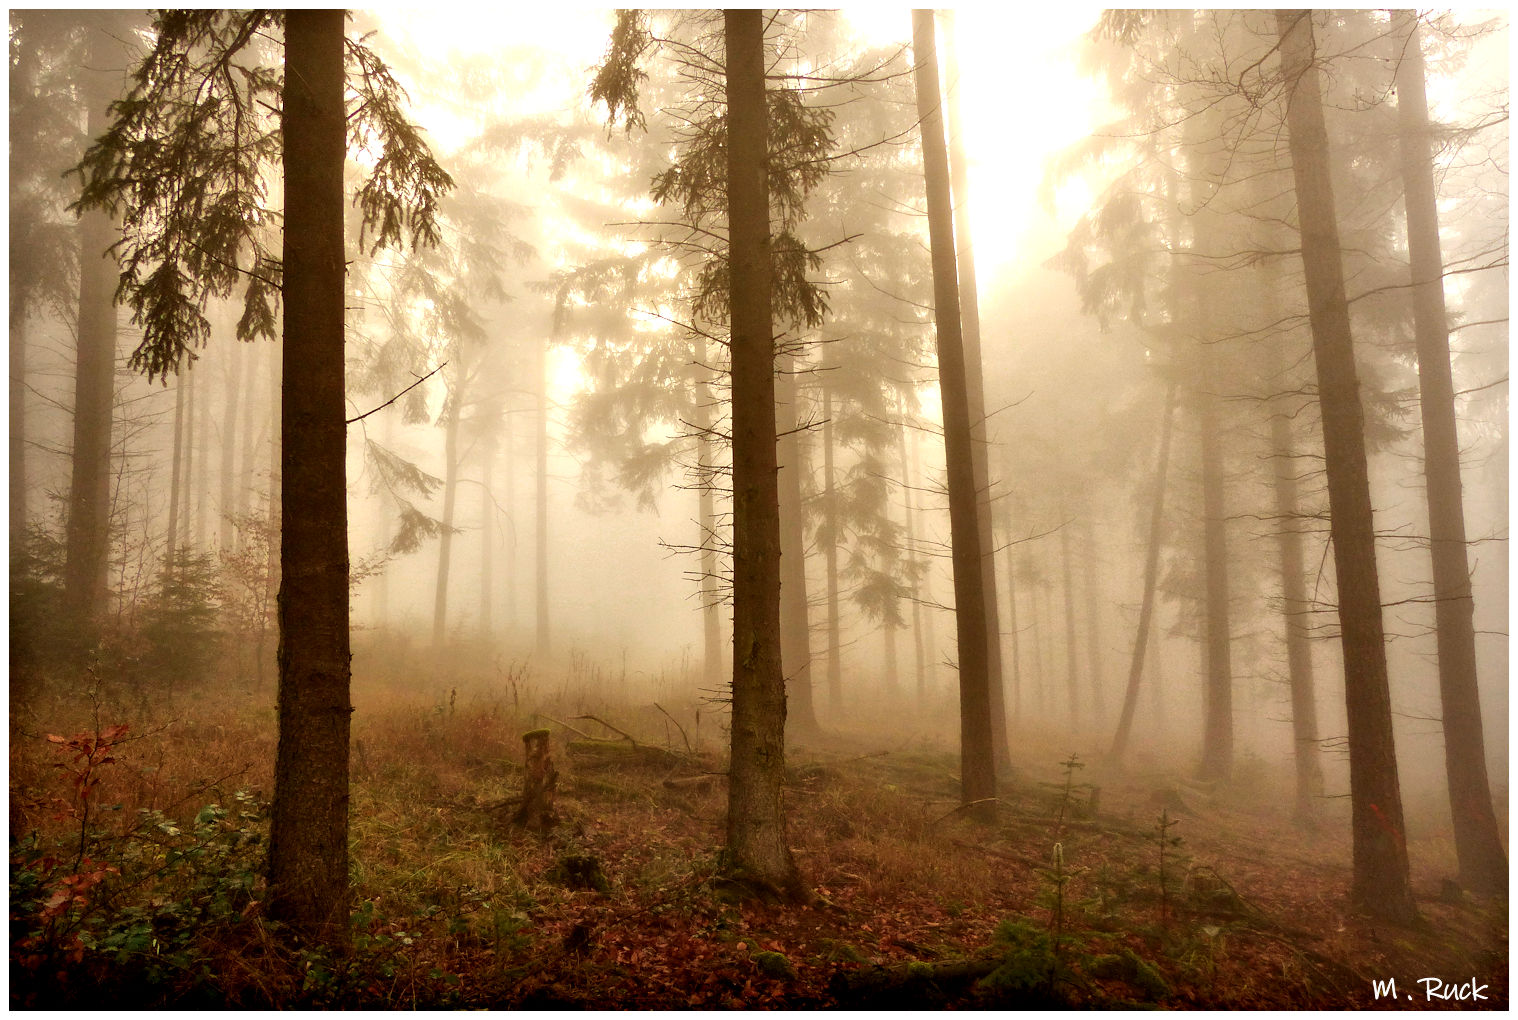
135	878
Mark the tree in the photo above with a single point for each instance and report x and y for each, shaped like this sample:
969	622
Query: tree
186	163
758	852
977	761
87	530
1381	884
1478	842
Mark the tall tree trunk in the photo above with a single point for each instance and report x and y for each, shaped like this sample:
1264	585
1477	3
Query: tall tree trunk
199	493
711	600
969	310
1012	625
308	851
1093	622
795	625
1381	883
540	532
830	559
175	479
511	510
922	591
487	537
1294	609
251	433
450	500
1072	667
1478	843
1151	577
272	553
18	425
1217	726
977	754
232	351
87	531
759	857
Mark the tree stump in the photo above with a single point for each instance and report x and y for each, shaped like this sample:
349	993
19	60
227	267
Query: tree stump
537	810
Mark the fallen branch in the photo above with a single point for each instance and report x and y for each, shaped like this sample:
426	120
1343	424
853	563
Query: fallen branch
678	727
594	718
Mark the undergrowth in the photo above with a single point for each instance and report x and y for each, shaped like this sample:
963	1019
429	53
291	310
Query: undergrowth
138	845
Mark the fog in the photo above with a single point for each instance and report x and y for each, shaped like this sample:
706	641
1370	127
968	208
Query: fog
539	403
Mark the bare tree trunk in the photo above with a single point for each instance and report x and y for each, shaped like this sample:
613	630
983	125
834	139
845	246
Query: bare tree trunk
1381	884
1217	726
922	629
830	560
271	566
232	351
1072	667
18	425
711	600
487	537
1093	622
1294	609
759	856
452	410
308	850
1478	842
87	531
199	492
540	532
969	310
511	510
977	754
1151	577
1012	625
795	625
175	478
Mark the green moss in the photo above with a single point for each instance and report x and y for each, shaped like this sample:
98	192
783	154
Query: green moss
775	965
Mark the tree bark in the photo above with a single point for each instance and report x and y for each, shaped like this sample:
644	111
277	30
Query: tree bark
232	352
1381	884
540	784
758	856
1012	624
308	852
1093	622
175	477
450	499
1217	725
795	624
540	533
830	559
87	530
977	754
1478	842
1072	667
969	310
487	535
1151	576
18	426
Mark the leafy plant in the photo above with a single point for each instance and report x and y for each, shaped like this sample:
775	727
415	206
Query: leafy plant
1165	841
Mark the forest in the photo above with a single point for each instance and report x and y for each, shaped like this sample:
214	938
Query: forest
758	509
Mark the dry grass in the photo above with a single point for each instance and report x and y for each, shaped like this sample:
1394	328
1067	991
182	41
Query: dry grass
454	907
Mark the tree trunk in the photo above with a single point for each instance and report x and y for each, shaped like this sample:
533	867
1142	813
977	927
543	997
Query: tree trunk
1217	725
199	491
922	634
450	499
830	560
18	426
487	536
711	598
540	784
977	754
1012	625
231	351
795	625
1093	623
308	851
87	531
758	855
1381	884
922	593
1151	576
1294	609
540	532
250	438
272	553
1072	670
969	310
175	478
1478	842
